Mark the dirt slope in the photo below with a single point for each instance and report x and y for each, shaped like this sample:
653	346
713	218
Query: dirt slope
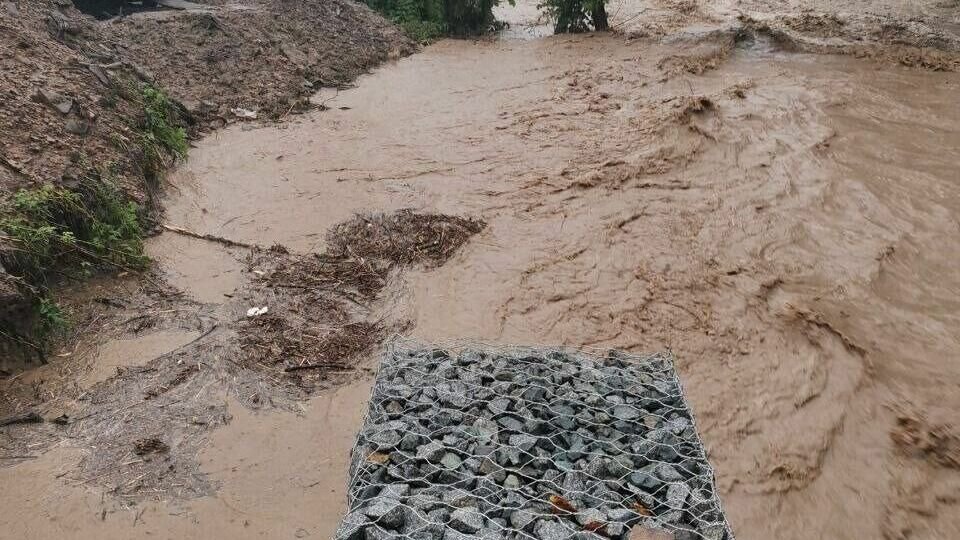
72	106
63	108
267	56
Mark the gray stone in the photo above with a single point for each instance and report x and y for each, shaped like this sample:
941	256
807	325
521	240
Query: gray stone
451	534
672	516
451	461
535	394
432	451
596	467
511	482
713	532
499	405
678	424
523	442
590	515
552	530
565	422
619	466
483	450
57	101
615	529
439	515
410	441
563	410
372	532
677	496
620	514
484	429
513	500
511	423
574	483
467	520
393	407
616	399
423	502
668	473
394	491
388	513
451	440
646	478
488	466
659	435
77	126
491	534
522	519
668	453
459	498
455	397
352	525
625	412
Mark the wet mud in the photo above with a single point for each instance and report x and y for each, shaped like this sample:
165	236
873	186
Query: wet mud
785	222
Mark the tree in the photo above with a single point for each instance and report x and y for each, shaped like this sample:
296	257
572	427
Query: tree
577	15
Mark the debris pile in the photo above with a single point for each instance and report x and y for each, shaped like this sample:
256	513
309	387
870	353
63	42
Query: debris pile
529	443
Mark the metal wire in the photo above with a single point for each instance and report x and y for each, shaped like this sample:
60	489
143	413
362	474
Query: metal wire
470	440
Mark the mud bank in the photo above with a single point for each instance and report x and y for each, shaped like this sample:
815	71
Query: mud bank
784	222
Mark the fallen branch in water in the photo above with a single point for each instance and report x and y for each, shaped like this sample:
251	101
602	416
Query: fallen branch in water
333	366
208	237
26	418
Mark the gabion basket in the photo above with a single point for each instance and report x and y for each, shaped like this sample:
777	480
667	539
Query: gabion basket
471	441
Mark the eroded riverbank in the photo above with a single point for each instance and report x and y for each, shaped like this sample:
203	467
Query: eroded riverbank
786	223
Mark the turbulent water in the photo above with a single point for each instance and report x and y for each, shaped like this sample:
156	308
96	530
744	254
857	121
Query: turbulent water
786	223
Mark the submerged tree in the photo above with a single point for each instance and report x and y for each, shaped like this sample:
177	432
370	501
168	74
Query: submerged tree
428	19
577	15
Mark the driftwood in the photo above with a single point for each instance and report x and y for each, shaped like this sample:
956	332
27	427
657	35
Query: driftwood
208	237
25	418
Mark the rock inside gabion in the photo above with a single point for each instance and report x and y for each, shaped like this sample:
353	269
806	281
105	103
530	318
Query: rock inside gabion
523	443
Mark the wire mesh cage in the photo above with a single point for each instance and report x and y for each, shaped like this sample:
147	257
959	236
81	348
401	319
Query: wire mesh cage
474	441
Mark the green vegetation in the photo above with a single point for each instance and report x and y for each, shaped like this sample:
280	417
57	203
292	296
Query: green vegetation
160	137
53	232
56	232
425	20
576	15
50	318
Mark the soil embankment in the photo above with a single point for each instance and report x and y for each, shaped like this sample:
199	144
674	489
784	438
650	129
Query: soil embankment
785	221
85	106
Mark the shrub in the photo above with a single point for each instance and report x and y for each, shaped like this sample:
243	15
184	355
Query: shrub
51	227
425	20
160	135
576	15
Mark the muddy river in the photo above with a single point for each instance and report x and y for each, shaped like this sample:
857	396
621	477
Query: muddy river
787	224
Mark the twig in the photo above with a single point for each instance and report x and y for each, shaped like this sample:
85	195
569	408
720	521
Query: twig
333	366
26	418
208	237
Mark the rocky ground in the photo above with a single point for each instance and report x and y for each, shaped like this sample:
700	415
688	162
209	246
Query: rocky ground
231	60
530	444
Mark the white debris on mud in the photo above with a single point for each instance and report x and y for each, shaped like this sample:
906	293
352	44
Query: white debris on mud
529	443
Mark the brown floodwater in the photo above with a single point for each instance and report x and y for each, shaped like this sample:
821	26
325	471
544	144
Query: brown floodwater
787	224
